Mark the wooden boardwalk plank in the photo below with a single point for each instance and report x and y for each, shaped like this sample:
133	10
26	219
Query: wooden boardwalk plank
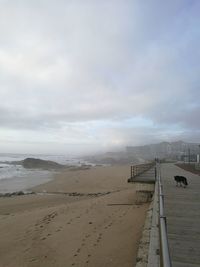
182	208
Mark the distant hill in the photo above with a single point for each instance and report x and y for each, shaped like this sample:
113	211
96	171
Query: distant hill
178	150
172	150
113	158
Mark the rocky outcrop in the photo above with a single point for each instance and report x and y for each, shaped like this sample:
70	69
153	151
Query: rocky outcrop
32	163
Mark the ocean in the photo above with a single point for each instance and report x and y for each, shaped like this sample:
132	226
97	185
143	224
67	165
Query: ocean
15	177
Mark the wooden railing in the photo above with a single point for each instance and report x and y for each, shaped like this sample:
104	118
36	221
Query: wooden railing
139	169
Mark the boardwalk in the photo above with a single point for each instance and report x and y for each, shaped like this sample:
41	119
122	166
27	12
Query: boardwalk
182	208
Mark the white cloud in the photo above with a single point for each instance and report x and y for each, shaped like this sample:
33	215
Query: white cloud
68	66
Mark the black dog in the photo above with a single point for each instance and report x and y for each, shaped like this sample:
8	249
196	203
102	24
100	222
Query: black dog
180	180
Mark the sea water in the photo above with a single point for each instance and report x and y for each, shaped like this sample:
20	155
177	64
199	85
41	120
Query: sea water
14	177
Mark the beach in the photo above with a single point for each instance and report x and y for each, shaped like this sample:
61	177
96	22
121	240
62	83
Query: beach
81	218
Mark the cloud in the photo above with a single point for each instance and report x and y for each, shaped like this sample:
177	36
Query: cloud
96	68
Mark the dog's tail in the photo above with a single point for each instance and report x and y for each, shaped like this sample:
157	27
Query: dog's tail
185	181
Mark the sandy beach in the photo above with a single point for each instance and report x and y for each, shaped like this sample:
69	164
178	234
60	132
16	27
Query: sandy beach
96	223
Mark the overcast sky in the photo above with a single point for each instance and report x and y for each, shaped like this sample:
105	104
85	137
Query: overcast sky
98	75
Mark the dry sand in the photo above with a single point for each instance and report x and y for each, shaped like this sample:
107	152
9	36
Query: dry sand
62	231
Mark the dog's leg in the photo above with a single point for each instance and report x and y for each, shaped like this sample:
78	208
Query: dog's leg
184	185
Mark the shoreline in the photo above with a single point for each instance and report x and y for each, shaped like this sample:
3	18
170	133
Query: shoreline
52	177
33	178
21	172
25	181
88	228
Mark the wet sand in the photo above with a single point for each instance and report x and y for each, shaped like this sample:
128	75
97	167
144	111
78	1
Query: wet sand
100	225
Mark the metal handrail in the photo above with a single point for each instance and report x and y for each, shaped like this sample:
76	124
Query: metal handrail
165	260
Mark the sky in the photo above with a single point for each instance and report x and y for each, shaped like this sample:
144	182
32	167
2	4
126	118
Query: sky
88	76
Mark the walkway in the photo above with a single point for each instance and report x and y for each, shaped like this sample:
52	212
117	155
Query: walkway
182	208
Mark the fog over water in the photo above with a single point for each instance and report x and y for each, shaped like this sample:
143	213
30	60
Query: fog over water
79	77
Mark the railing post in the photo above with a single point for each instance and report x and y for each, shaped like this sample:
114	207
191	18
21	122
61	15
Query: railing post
139	169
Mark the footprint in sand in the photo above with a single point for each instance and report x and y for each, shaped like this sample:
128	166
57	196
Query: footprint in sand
99	238
33	260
